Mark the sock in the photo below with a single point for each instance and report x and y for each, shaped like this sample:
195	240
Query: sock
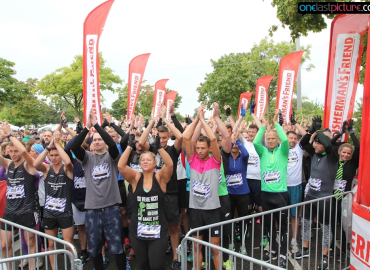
282	256
294	240
305	249
103	258
125	232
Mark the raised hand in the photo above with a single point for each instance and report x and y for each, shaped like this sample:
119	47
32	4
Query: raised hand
92	117
350	126
56	137
163	112
253	105
281	119
242	110
51	144
216	109
172	107
276	116
201	112
5	127
108	117
77	120
228	110
293	118
344	128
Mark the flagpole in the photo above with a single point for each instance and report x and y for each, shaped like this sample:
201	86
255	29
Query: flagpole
299	93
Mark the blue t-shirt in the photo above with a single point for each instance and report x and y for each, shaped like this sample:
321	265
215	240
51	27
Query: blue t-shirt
236	177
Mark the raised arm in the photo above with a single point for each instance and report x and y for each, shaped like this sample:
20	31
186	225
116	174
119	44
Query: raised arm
29	160
144	136
226	141
127	173
112	147
68	165
188	145
196	134
284	146
257	142
38	163
174	130
164	174
210	135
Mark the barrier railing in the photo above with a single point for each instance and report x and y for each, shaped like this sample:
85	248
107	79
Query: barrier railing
13	250
330	238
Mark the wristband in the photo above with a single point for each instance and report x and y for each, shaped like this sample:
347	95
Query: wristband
87	128
129	147
47	149
10	135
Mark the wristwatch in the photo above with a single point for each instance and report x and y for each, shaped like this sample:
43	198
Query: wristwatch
10	135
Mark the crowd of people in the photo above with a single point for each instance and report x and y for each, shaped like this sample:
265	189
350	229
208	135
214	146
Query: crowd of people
133	186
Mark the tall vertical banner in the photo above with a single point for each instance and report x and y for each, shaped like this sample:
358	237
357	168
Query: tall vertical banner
347	33
288	71
159	95
360	240
261	96
135	78
244	99
171	96
93	28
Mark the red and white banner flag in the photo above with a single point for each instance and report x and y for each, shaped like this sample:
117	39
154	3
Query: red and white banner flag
93	27
244	99
135	78
159	95
171	96
360	240
288	71
261	96
347	33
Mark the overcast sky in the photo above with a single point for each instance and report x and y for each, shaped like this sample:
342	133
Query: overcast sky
43	35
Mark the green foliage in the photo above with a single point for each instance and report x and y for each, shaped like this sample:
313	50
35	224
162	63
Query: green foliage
309	107
144	103
357	115
66	83
302	24
234	74
8	84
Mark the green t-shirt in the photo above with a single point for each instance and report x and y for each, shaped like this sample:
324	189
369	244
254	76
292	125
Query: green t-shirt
222	188
273	164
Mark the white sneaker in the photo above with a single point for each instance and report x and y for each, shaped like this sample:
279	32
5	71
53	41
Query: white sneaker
23	263
294	246
41	263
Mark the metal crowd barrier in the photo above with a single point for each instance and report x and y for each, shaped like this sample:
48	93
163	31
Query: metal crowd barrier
253	259
40	258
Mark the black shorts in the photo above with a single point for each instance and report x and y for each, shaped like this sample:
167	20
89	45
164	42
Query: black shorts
182	194
52	223
171	208
122	192
255	188
199	218
26	220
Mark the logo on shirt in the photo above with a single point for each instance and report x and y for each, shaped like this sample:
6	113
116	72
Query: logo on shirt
100	171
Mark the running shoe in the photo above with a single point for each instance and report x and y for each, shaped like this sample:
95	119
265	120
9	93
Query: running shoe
24	264
264	241
130	255
190	257
204	266
128	267
273	255
127	244
243	250
227	265
237	230
301	254
282	262
84	257
75	237
176	265
324	263
181	234
342	257
266	256
294	246
105	262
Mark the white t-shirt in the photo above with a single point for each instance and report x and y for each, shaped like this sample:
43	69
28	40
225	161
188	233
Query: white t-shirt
254	167
180	169
294	170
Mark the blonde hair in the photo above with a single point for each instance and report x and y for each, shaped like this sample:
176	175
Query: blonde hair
147	152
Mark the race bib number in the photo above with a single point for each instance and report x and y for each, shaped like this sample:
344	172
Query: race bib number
80	182
55	204
201	190
234	180
136	167
100	171
253	161
293	157
315	184
271	177
148	231
15	192
179	160
340	185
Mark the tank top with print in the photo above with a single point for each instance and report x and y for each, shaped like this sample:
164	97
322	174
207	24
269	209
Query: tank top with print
58	194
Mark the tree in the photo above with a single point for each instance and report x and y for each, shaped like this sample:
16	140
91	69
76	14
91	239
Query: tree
302	24
66	83
234	74
144	103
8	84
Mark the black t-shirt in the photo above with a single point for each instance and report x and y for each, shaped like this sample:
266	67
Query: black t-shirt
172	187
225	160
